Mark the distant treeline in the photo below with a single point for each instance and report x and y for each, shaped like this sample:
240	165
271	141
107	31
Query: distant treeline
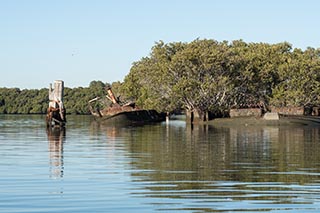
203	75
35	101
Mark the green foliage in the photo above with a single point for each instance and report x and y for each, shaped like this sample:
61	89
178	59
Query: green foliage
203	75
207	75
299	80
34	101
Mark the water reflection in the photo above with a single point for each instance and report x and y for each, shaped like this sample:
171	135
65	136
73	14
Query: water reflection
56	138
255	169
165	167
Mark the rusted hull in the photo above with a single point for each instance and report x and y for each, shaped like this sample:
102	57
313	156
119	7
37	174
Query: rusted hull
132	117
291	120
302	120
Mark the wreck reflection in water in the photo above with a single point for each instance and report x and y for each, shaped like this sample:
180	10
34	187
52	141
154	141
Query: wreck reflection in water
165	167
228	169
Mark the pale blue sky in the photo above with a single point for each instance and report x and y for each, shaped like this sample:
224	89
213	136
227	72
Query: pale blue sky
80	41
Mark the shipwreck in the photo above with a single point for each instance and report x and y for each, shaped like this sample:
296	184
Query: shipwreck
118	113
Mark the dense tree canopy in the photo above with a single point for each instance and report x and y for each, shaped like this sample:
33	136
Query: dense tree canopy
208	75
203	75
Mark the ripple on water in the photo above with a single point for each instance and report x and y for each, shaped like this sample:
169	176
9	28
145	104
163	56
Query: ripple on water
165	167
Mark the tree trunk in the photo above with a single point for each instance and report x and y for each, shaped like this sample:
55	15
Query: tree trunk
196	116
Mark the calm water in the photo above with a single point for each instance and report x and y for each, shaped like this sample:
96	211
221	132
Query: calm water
157	168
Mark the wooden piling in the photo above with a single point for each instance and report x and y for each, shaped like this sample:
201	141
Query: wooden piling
56	113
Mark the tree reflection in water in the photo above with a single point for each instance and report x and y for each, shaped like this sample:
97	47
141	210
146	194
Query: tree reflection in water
223	164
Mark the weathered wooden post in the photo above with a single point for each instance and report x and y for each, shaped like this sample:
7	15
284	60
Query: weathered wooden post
56	113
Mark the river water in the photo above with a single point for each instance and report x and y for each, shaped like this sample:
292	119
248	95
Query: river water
166	167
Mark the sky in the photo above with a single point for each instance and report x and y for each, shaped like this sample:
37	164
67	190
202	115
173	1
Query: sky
79	41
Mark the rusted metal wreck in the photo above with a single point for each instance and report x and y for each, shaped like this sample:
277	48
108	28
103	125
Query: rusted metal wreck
118	113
